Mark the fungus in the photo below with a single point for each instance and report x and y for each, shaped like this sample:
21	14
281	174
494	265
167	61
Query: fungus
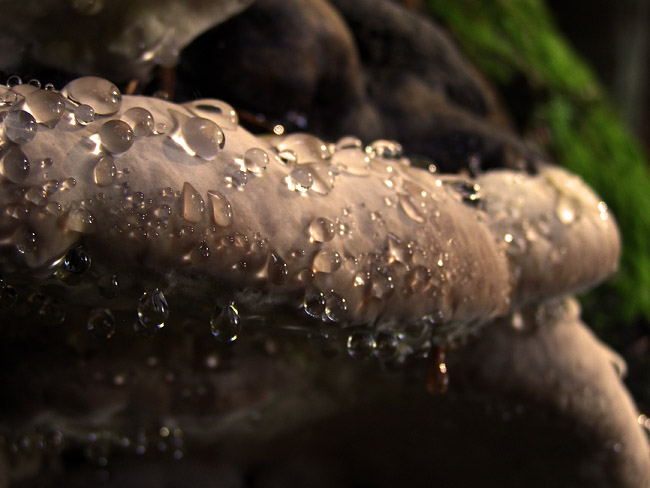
174	223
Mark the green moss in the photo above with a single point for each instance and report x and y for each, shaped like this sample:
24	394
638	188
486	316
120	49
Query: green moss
509	39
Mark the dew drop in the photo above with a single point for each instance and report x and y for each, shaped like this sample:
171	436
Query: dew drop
221	209
409	209
73	266
326	261
235	177
102	95
348	142
84	114
13	81
321	230
352	161
140	120
105	171
116	136
101	323
211	108
255	160
277	269
386	344
193	205
80	220
26	241
152	312
46	107
300	179
361	344
314	304
203	136
335	307
15	165
225	323
305	147
20	127
567	209
385	149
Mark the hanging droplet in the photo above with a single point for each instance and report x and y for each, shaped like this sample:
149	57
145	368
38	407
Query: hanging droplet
221	209
321	230
15	165
102	95
101	323
152	312
255	160
73	266
116	136
193	205
20	127
46	107
140	120
386	344
326	261
203	136
277	269
361	344
84	114
105	171
225	323
300	179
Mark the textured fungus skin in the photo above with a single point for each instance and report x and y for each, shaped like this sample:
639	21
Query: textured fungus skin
407	245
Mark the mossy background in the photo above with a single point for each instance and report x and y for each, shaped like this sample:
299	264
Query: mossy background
559	105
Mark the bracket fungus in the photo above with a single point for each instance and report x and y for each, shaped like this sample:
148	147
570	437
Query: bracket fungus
172	222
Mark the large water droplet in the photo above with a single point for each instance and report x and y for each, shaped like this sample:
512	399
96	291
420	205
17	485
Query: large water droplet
84	114
321	230
102	95
224	114
152	312
326	261
193	205
255	160
361	344
20	127
221	209
335	307
15	165
116	136
314	303
140	120
45	106
203	136
305	147
73	266
352	161
300	179
101	323
225	324
384	149
105	171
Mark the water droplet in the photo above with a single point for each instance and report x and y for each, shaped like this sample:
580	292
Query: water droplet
46	107
105	171
409	209
210	108
13	81
255	160
193	205
306	148
84	114
80	220
386	344
235	177
140	120
152	312
335	307
221	209
203	136
326	261
101	323
15	165
348	142
314	304
469	192
20	127
109	287
384	149
567	209
25	240
361	344
321	230
73	266
102	95
352	161
300	179
225	324
277	269
36	195
116	136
